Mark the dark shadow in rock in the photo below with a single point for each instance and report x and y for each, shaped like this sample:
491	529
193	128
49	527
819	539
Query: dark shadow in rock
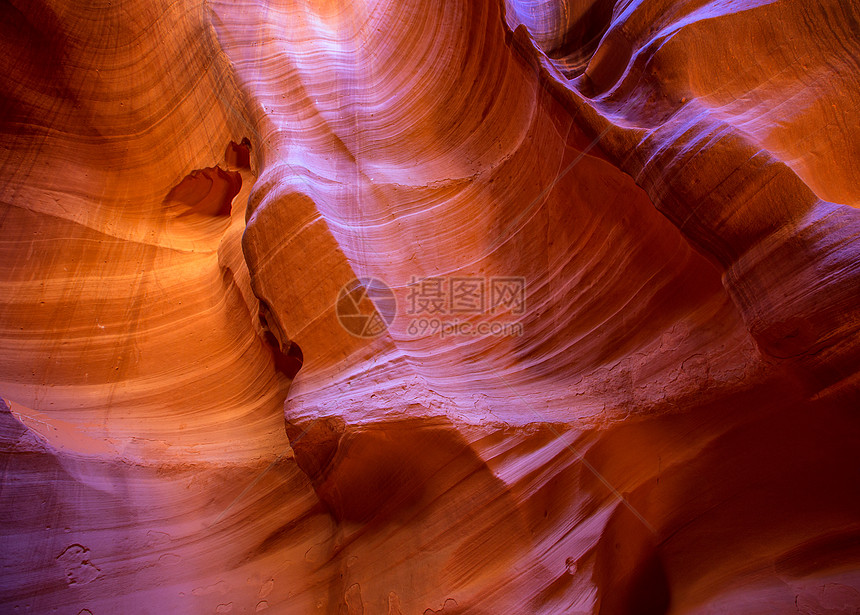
238	155
208	192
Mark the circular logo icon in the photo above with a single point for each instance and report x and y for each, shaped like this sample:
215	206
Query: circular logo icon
365	307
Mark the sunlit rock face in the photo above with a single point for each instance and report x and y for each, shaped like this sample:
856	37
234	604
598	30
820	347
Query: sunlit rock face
601	358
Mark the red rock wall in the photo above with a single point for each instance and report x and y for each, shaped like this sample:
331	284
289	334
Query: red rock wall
190	424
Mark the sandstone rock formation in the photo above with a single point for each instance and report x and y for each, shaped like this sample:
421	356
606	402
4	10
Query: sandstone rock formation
671	427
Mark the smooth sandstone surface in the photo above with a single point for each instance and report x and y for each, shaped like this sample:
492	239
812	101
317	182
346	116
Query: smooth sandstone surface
188	427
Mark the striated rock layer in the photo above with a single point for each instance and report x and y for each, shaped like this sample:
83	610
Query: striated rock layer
663	422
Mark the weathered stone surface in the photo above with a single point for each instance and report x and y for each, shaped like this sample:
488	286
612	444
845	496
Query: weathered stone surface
666	424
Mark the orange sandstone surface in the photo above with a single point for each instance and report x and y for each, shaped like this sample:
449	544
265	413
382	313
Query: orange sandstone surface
415	307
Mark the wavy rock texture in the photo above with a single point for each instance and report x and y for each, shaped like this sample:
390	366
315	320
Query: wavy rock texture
187	427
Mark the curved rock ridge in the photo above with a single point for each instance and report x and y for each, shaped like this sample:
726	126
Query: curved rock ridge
738	186
662	421
139	381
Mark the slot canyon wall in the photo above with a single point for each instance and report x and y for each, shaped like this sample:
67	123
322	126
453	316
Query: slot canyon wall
609	258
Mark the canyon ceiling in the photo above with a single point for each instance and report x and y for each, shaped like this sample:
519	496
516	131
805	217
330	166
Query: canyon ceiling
240	369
